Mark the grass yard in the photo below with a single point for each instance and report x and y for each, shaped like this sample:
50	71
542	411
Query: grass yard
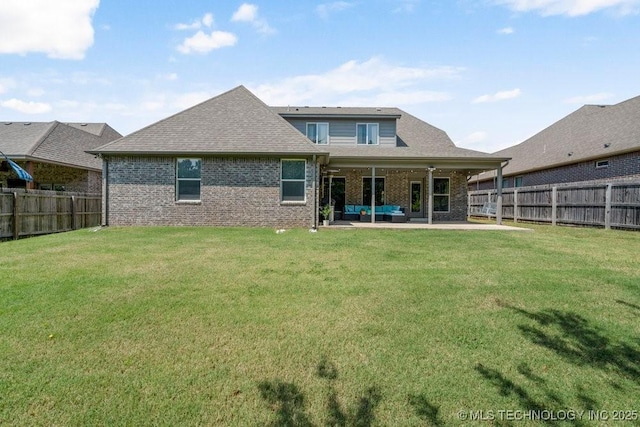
210	326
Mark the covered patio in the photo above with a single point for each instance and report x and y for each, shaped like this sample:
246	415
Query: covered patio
429	190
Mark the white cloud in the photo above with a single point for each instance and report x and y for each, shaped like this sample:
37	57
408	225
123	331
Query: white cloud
190	99
595	98
498	96
205	21
26	107
475	137
325	9
205	43
571	7
372	82
6	85
406	6
248	12
506	30
61	29
35	92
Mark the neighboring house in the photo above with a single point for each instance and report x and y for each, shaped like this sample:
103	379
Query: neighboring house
233	160
594	143
54	154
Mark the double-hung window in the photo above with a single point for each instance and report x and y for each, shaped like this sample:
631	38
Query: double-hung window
318	133
188	173
367	133
441	194
293	180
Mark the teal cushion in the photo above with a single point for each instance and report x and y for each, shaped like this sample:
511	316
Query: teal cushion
349	208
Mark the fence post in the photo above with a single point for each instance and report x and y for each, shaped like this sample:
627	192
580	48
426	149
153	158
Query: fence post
515	205
16	216
607	207
554	205
73	213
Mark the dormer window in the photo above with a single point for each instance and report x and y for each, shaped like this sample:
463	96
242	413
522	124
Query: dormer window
367	133
318	133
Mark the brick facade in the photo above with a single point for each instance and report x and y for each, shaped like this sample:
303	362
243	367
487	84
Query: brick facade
620	166
397	189
234	192
62	178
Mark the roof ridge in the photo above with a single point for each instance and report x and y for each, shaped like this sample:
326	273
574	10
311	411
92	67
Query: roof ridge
45	135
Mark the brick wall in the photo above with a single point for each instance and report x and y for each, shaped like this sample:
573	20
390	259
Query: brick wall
623	165
234	192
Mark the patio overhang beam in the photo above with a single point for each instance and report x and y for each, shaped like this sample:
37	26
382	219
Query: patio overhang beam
471	166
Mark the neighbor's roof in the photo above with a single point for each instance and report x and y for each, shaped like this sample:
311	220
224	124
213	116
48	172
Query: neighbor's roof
589	133
416	139
235	122
54	142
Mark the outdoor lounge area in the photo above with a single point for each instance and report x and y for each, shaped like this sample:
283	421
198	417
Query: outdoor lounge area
391	213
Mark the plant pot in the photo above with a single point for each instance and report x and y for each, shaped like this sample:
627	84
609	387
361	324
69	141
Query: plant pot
325	222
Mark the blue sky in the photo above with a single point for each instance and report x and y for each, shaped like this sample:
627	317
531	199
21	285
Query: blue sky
491	73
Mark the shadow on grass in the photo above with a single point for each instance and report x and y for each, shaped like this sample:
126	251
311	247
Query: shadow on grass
426	410
575	339
288	402
539	408
628	304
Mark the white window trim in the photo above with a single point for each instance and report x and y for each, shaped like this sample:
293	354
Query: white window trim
187	202
366	125
282	180
318	123
515	181
602	164
443	194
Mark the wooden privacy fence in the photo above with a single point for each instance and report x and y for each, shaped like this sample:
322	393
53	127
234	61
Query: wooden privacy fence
30	213
605	205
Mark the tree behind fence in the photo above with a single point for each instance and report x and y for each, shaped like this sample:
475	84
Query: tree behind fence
30	213
607	205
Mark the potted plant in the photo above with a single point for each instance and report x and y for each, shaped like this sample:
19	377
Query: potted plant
325	211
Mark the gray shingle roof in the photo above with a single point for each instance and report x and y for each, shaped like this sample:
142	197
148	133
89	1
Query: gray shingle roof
55	142
589	133
235	122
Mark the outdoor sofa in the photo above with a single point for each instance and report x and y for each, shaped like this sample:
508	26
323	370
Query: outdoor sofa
393	213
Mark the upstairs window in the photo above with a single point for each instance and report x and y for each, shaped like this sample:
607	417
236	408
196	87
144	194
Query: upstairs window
367	133
188	179
318	133
293	180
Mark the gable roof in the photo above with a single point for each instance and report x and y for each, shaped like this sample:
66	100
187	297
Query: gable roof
235	122
55	142
589	133
416	139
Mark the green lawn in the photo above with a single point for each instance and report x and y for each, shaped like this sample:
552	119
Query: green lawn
211	326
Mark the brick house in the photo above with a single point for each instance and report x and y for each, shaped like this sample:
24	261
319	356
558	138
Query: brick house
594	143
234	161
54	154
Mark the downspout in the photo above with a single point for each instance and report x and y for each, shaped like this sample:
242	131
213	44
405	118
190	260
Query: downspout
314	224
105	192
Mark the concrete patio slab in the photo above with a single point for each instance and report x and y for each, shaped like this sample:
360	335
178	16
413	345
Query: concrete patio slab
414	225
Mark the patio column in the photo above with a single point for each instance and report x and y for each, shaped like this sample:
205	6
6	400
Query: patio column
430	201
499	194
373	194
